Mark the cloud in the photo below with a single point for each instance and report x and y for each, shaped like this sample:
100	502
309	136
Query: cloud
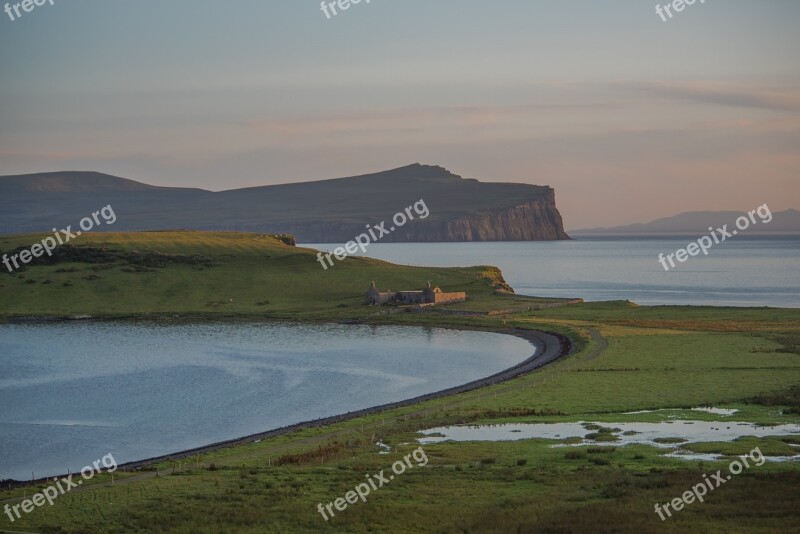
722	95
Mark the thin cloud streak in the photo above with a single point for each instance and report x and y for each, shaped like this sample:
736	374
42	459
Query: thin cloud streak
721	95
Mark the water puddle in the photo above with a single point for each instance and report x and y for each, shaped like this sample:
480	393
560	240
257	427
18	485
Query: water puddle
716	411
726	412
711	457
664	435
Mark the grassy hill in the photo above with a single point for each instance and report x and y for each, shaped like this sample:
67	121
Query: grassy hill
207	274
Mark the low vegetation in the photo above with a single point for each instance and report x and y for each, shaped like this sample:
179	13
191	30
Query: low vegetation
628	358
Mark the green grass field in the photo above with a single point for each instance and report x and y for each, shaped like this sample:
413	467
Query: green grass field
629	358
209	274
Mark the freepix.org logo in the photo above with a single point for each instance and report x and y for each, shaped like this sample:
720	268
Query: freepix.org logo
26	5
344	5
676	5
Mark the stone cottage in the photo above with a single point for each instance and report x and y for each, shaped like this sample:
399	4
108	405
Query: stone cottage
428	295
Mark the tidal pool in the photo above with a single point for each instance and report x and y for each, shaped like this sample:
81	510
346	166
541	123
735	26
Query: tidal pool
665	434
74	392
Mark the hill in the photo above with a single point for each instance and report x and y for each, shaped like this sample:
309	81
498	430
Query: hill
206	274
328	211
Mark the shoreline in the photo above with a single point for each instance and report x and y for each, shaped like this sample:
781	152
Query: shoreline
549	347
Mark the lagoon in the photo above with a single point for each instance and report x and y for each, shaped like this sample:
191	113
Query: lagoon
73	392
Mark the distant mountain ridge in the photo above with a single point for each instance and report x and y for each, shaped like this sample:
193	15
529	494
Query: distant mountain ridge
70	182
697	222
335	210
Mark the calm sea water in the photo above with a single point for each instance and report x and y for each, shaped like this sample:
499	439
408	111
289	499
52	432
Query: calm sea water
738	272
72	393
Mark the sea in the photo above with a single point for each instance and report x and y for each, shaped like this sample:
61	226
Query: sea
738	272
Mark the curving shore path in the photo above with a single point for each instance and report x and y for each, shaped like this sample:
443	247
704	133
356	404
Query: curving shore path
549	348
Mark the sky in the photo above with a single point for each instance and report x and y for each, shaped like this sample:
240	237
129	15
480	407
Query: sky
628	117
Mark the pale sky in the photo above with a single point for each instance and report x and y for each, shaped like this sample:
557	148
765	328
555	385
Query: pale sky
628	117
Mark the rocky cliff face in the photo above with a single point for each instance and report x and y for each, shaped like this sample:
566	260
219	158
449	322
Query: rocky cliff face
534	220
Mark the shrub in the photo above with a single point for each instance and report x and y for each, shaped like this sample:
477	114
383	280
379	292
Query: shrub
601	450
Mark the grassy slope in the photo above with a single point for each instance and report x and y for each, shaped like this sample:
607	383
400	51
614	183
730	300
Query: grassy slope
251	275
657	357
